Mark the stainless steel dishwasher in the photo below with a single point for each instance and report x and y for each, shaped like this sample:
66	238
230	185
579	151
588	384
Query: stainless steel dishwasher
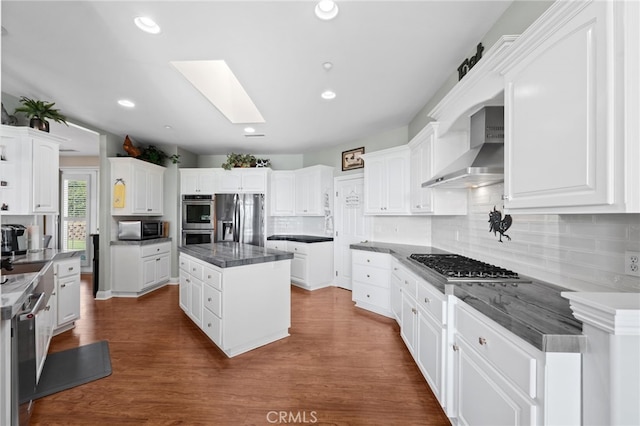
24	346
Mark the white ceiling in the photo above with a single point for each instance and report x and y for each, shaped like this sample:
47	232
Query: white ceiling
389	58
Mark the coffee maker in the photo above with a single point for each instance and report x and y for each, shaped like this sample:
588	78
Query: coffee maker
14	239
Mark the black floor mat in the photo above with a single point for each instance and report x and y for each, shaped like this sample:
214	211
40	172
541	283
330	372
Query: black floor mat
74	367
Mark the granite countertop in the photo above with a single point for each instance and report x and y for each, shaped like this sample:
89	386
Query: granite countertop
229	254
300	238
531	309
18	286
139	242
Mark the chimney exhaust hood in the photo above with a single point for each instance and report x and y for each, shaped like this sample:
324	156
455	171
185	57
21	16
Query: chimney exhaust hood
483	164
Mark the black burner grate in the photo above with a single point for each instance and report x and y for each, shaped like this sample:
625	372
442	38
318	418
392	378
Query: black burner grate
454	266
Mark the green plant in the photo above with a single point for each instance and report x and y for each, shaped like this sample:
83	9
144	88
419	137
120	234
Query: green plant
238	160
40	110
153	154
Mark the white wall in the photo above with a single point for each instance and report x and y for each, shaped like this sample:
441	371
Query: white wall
580	252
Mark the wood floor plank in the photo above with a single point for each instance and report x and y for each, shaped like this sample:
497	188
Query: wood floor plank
340	366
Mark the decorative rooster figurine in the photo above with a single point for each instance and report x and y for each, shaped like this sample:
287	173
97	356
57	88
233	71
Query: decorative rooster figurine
130	149
498	224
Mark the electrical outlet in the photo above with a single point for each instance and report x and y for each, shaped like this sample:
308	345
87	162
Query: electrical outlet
632	263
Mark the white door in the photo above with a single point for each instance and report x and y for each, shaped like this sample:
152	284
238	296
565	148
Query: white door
76	214
351	225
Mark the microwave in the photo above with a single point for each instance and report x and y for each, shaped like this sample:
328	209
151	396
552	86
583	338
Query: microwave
140	229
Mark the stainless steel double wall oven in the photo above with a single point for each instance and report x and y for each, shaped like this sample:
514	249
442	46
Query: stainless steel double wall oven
198	219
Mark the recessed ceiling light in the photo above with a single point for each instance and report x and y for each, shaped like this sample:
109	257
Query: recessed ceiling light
147	24
326	10
168	127
328	95
126	103
249	130
327	65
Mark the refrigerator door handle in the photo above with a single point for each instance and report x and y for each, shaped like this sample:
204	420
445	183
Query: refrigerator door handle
236	218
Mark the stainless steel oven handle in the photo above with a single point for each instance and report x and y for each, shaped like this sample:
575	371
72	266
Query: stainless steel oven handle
27	315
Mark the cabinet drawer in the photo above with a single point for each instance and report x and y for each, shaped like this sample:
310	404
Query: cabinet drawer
363	257
369	275
196	269
294	247
153	249
184	263
432	301
66	269
212	326
212	277
213	300
276	244
371	294
497	348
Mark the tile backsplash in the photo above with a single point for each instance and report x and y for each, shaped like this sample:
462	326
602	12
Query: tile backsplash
581	252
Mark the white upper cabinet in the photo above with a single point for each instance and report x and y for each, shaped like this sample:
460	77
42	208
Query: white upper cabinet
386	181
423	164
197	181
282	194
572	95
29	171
241	180
142	192
313	188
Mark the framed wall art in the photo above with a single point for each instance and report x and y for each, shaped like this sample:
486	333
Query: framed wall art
351	159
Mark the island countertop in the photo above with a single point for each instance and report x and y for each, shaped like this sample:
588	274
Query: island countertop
230	254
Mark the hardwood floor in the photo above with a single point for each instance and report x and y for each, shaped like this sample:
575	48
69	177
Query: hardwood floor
340	366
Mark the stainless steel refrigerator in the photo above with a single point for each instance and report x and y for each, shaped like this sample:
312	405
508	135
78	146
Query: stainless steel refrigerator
240	218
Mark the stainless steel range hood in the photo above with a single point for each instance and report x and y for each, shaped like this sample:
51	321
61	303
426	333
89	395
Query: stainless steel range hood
483	164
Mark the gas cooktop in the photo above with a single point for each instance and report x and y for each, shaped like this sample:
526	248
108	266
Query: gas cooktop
457	268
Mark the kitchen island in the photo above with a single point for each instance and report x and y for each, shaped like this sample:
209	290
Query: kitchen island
238	294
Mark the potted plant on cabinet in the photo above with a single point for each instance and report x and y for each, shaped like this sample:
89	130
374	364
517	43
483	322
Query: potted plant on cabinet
39	112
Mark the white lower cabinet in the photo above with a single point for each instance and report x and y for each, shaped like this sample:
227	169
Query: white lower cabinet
67	294
137	269
312	263
371	278
239	308
480	372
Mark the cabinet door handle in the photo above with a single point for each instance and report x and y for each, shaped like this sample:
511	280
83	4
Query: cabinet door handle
427	300
63	285
414	310
158	249
208	277
482	340
368	276
188	280
456	348
148	210
209	299
157	259
368	261
71	268
208	325
368	295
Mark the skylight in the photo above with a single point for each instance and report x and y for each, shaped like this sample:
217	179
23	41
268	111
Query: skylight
215	80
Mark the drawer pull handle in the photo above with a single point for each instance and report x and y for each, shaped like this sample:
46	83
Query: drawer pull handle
209	324
395	269
71	268
368	276
368	295
482	340
427	300
208	276
456	348
368	260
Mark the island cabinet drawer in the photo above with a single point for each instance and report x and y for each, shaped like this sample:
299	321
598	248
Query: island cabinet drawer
370	258
196	269
153	249
212	326
369	275
295	247
432	301
374	295
212	277
502	349
213	300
